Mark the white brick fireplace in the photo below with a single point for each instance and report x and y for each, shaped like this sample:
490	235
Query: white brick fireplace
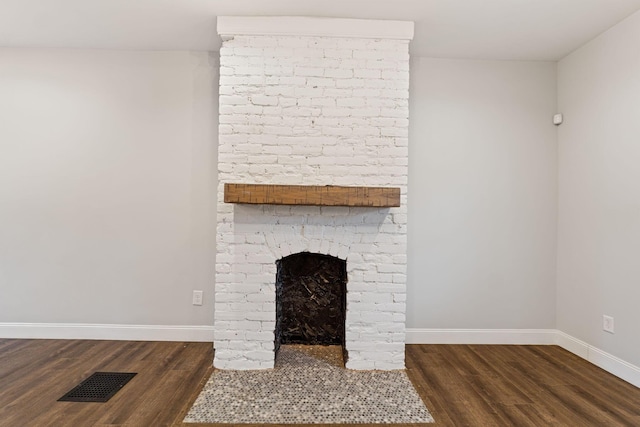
312	101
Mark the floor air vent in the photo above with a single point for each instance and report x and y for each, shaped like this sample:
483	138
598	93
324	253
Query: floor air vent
99	387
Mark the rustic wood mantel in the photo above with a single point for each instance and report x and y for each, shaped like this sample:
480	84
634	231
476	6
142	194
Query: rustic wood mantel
313	195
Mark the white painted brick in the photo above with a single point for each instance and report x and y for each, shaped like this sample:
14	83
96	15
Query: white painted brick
234	81
324	82
388	366
398	94
227	335
233	100
354	43
399	317
339	73
351	83
352	102
230	297
394	307
246	70
381	64
369	54
338	53
310	110
241	365
260	41
271	70
399	278
264	100
279	91
389	45
399	297
269	325
391	327
377	346
247	51
363	365
394	131
364	73
230	315
287	80
267	345
354	304
390	287
260	355
337	93
308	71
308	52
260	336
393	75
367	92
375	316
261	297
373	297
302	111
246	325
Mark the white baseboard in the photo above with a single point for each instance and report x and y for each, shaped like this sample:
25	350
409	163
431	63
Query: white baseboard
481	336
86	331
610	363
193	333
600	358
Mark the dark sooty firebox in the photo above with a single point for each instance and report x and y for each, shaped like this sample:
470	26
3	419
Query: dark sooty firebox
311	291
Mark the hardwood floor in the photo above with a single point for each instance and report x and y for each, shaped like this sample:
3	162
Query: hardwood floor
462	385
482	385
35	373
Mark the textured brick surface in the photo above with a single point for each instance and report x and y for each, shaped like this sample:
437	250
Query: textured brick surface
312	111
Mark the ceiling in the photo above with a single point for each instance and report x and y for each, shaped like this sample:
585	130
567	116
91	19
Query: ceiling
482	29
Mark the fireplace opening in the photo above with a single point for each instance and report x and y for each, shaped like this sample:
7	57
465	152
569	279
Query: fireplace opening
311	300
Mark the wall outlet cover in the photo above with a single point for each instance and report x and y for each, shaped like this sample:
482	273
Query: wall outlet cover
607	324
558	119
197	297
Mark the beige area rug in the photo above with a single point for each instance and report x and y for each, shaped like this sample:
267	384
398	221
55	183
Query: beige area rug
309	385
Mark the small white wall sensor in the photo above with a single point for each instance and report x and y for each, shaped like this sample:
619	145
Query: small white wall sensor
557	119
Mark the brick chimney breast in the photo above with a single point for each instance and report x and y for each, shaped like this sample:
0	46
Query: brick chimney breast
312	101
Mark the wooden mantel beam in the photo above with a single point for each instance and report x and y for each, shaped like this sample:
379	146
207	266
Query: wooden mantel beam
314	195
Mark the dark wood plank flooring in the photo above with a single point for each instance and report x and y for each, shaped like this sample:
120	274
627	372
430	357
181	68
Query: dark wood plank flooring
462	385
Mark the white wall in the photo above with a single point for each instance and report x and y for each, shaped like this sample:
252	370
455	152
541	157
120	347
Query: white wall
482	194
108	179
107	186
599	191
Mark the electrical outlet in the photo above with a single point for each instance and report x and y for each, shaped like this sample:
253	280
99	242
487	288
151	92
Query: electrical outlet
607	324
197	297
